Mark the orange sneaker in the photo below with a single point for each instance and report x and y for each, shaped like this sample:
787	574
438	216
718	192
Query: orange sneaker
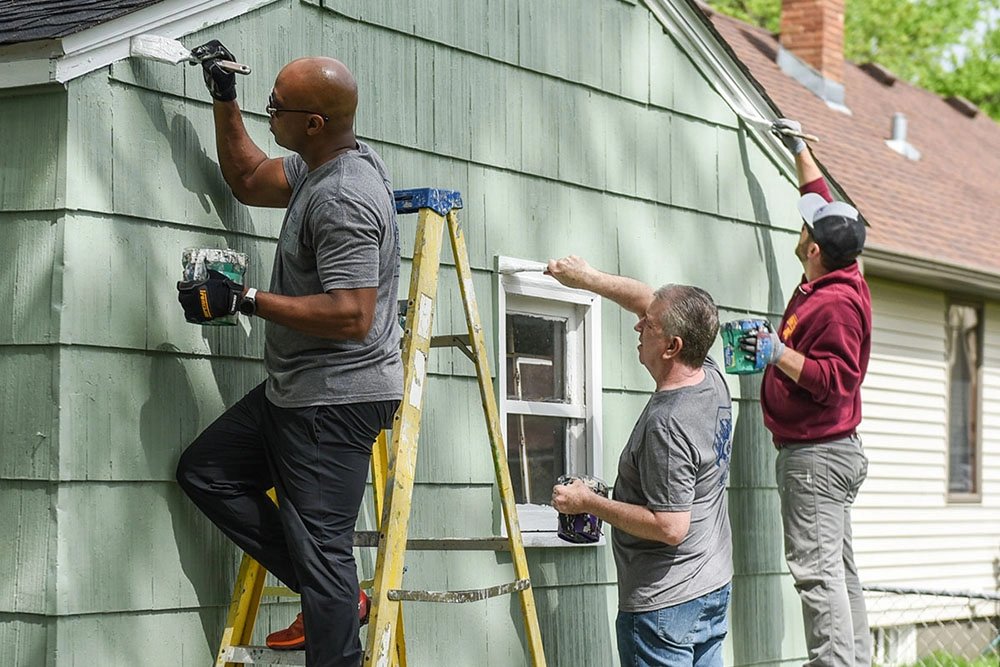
291	638
363	608
294	636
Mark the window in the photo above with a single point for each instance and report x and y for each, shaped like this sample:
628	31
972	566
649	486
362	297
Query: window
963	347
550	391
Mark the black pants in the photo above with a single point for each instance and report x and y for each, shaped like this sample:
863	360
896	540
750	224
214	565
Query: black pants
317	460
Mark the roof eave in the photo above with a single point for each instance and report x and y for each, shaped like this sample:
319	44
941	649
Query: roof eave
883	262
59	61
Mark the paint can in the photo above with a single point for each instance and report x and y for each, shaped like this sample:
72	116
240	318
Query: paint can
581	528
735	358
232	264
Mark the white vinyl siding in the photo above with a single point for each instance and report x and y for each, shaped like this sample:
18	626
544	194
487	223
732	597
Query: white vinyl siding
906	531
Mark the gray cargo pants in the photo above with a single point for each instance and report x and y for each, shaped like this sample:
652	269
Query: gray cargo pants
817	484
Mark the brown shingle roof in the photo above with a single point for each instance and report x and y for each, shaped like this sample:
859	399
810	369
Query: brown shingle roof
943	207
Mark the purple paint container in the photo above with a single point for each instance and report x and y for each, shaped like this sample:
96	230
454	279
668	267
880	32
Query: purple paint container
581	528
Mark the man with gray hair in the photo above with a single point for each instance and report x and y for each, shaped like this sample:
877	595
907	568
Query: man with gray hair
671	536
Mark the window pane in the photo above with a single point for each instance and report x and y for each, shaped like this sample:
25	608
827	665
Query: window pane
963	348
535	358
536	456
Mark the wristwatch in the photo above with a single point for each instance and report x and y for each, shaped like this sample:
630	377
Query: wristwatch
248	304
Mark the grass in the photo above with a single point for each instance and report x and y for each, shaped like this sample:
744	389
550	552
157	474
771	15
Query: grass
942	659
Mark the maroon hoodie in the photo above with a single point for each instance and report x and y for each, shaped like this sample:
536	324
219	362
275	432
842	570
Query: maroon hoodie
829	320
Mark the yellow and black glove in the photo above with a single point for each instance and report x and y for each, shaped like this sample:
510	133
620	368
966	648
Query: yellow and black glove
209	298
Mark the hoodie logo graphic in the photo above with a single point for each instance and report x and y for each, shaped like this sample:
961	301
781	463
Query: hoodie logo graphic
790	325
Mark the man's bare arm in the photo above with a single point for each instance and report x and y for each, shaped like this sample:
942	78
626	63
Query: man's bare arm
255	179
346	314
630	294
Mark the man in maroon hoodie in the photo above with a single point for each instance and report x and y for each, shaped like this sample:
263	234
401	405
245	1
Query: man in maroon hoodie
811	400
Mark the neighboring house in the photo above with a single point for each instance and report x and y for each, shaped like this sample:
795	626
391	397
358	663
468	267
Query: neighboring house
923	172
604	128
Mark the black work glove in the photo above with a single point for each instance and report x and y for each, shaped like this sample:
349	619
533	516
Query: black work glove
221	82
209	298
794	144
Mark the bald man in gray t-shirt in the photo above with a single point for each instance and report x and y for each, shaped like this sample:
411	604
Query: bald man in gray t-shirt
331	351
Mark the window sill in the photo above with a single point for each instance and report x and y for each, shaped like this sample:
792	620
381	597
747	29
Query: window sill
552	540
538	523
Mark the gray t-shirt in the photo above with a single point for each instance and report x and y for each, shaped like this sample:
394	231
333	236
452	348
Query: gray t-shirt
677	459
339	232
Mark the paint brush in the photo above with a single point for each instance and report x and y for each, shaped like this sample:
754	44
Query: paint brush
509	265
166	50
764	124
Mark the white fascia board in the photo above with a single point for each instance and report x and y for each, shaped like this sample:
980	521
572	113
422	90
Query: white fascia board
878	261
702	45
98	47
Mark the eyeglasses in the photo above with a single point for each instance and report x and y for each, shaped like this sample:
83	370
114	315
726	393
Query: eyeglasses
273	109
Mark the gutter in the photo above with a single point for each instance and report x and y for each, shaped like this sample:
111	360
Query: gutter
882	262
58	61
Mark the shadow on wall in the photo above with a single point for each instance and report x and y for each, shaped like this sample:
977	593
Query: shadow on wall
756	617
765	244
198	173
168	422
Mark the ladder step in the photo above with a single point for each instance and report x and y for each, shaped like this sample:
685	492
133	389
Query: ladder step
463	343
369	538
472	595
261	655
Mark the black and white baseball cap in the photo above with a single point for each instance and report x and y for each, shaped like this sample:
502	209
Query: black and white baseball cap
836	227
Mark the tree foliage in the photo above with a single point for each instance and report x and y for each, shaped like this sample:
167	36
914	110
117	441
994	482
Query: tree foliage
951	47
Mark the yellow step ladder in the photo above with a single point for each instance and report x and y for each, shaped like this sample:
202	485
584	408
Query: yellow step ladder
394	463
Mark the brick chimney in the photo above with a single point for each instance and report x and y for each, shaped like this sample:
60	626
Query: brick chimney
812	33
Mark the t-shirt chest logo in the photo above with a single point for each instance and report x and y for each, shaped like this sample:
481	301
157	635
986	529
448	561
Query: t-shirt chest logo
790	325
723	444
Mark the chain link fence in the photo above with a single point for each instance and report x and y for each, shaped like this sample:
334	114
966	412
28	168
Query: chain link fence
927	628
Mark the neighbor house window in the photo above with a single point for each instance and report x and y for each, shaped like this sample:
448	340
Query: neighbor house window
549	390
964	345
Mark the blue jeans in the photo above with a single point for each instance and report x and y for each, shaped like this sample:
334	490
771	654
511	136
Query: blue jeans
689	634
817	484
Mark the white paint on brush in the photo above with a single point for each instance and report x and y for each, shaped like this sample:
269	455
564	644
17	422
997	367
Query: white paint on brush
510	265
166	50
163	49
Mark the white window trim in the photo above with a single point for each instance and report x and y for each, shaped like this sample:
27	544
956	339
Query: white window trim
538	523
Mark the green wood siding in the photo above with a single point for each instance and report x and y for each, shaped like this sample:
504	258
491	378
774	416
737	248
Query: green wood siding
33	177
31	242
569	127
